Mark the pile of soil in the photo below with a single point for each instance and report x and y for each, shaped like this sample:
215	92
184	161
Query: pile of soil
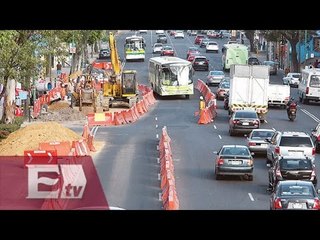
29	137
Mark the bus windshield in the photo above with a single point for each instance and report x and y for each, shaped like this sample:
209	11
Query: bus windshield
176	75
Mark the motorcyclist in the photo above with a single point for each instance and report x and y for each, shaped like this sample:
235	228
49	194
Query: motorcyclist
289	103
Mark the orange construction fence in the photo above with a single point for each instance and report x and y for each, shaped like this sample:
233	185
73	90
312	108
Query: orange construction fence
169	195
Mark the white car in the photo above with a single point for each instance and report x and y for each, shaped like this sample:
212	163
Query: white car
292	79
157	47
159	31
143	31
212	46
179	34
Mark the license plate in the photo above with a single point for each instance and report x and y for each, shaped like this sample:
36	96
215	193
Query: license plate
297	205
245	123
200	63
264	145
236	162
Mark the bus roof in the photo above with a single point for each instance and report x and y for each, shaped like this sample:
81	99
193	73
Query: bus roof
235	45
169	60
134	37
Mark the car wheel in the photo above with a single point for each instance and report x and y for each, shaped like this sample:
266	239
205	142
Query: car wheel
250	178
231	133
218	177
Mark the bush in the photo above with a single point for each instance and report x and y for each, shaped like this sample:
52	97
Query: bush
6	129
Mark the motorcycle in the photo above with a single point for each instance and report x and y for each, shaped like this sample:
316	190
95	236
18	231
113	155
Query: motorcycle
292	111
226	101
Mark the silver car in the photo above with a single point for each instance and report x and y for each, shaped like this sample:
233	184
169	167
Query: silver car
256	140
215	77
292	79
234	160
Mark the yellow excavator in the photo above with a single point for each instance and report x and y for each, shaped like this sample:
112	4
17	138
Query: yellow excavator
122	87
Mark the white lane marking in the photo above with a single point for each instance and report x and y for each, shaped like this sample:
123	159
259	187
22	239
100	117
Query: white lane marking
265	121
158	160
214	126
95	131
310	115
157	136
273	129
220	136
156	118
156	125
159	177
157	147
251	197
160	196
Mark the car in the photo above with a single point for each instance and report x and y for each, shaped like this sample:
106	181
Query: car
213	34
200	62
143	31
167	51
315	136
192	50
225	34
253	61
273	67
172	32
292	168
159	31
292	79
296	195
225	79
234	160
162	38
193	32
289	143
256	140
179	34
104	53
215	77
223	89
203	42
243	121
212	46
192	56
232	42
197	38
157	47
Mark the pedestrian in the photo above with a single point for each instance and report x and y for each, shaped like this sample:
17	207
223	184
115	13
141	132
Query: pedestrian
59	68
202	104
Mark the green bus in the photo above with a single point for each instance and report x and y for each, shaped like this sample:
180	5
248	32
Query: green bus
134	48
171	76
234	54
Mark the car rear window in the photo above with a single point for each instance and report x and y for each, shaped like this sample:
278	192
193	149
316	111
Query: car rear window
296	76
246	115
295	164
296	190
315	81
292	141
261	134
200	59
235	151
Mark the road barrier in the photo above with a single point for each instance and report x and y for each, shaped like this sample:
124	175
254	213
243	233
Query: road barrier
208	114
168	195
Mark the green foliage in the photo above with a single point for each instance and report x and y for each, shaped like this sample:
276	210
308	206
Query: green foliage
6	129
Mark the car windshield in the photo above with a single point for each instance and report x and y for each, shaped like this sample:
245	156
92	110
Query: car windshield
167	48
225	85
269	63
295	76
296	190
212	43
200	59
193	49
217	73
235	151
292	141
245	115
261	134
158	45
295	164
161	36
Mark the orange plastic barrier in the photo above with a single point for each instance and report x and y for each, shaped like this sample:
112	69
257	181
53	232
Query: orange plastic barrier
81	148
62	148
119	118
168	195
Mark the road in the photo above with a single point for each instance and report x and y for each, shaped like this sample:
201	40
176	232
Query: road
128	168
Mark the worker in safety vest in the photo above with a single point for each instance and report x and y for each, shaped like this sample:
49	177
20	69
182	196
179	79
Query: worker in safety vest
202	104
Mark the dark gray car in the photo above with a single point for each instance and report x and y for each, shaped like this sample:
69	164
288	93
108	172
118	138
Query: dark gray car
234	160
243	121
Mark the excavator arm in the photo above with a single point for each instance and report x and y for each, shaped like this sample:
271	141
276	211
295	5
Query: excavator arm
116	65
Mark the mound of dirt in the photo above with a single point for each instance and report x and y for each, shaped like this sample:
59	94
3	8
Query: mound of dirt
29	137
61	112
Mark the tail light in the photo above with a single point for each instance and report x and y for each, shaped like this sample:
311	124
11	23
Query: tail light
235	121
313	151
313	175
256	122
277	150
278	174
307	90
318	138
316	204
220	161
252	143
277	203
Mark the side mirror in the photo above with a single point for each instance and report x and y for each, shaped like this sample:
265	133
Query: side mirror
215	152
313	129
245	135
318	191
268	165
252	154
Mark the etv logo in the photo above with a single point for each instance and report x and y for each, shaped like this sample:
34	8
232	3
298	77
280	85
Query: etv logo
73	177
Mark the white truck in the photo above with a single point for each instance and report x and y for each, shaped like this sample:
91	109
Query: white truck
278	95
249	88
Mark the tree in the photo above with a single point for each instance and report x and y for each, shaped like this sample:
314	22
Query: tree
250	35
293	37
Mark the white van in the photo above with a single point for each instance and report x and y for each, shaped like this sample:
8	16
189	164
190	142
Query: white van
309	86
